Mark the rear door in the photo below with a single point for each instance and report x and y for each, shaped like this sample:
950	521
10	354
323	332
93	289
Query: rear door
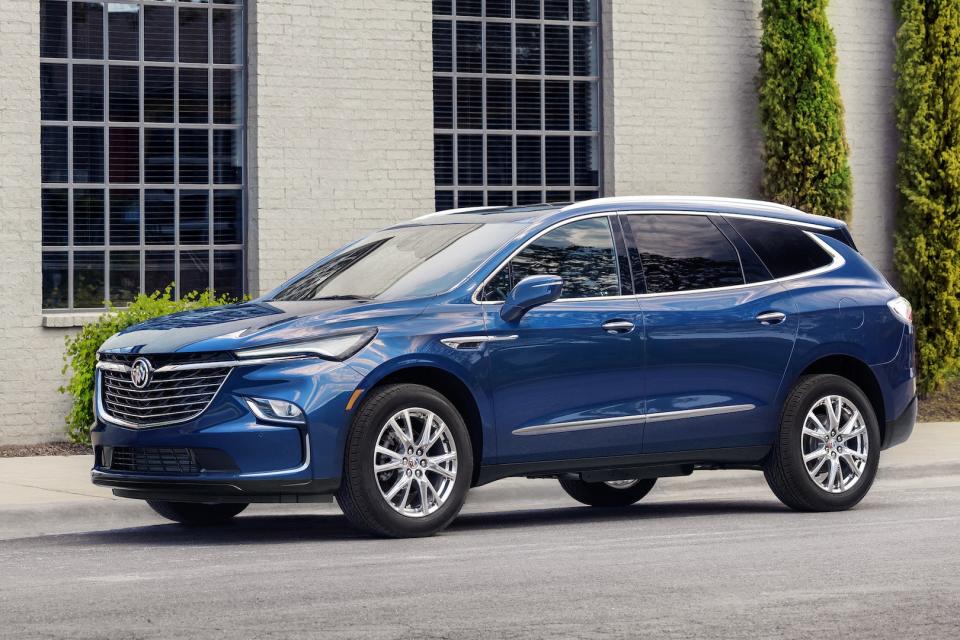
719	333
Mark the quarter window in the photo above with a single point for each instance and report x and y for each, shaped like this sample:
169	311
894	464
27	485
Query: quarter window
683	253
580	252
785	249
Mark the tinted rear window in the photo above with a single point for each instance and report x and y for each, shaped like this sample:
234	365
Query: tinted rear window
785	249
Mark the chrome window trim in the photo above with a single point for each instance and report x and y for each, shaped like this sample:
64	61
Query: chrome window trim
643	418
837	260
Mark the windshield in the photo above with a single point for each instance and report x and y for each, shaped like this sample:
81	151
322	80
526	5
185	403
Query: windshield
405	262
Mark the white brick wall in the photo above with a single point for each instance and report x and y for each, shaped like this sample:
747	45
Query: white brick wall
341	126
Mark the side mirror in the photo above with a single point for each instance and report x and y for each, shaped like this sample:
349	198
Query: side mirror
530	292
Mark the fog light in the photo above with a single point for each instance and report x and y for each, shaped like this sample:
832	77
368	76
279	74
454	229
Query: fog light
275	410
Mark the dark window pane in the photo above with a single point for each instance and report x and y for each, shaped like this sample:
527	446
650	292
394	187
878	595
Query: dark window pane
580	252
785	249
228	273
469	53
87	92
558	196
499	160
88	289
53	207
87	30
469	7
442	103
470	160
55	278
193	35
158	34
500	198
443	200
558	160
53	91
194	217
88	216
585	51
124	277
124	94
124	154
124	36
529	170
158	271
53	154
528	8
580	196
443	159
227	157
556	54
585	9
442	7
193	95
556	10
158	155
194	272
53	30
499	48
227	103
158	223
556	101
469	103
226	36
442	46
88	154
585	111
529	197
470	199
157	94
753	268
498	8
528	48
528	104
683	253
499	104
227	221
124	216
194	156
586	162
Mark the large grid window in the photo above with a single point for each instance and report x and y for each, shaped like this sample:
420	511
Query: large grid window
516	101
141	149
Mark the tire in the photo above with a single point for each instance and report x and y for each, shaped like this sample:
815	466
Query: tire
791	478
363	493
601	494
197	513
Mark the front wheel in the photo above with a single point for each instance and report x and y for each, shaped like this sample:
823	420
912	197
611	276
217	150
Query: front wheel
197	513
613	493
828	448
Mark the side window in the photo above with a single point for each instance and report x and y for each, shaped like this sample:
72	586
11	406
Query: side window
784	248
683	253
579	252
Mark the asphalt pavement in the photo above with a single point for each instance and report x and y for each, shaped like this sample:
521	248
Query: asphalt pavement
709	556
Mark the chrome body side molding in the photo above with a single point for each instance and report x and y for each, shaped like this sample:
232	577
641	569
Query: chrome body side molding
601	423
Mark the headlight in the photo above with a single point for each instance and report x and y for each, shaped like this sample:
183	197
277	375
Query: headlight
337	347
275	410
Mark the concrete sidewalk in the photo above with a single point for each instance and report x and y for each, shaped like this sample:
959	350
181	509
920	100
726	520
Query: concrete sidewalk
46	495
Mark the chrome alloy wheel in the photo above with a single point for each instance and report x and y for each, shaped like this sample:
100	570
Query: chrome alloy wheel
834	444
415	462
621	484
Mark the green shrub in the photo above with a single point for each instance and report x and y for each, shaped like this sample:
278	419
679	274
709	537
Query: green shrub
81	349
801	114
927	247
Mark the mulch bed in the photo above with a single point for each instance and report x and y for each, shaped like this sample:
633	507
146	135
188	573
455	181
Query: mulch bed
942	406
45	449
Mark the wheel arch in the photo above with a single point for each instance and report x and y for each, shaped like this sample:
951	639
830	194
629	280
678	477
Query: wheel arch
858	372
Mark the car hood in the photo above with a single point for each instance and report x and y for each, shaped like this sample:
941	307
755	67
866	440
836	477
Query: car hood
253	324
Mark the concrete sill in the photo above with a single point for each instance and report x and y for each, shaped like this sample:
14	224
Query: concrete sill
70	320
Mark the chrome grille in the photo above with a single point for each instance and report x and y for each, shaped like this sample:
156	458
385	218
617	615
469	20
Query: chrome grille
173	395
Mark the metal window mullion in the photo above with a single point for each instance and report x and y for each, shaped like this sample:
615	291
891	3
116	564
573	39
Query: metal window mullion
176	152
106	153
483	104
513	106
543	106
210	149
142	155
455	139
70	187
570	126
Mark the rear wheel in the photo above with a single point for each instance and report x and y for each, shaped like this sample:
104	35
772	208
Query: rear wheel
408	464
614	493
828	448
197	513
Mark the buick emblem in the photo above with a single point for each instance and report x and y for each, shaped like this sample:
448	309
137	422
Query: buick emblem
140	373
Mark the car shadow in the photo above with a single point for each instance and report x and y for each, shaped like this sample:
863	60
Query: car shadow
259	529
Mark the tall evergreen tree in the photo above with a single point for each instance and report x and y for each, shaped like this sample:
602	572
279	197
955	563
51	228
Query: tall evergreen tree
804	148
927	250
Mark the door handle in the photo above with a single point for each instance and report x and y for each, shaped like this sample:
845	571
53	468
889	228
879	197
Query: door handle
617	326
771	317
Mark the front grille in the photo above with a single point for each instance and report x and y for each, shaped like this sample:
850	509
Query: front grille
151	460
170	396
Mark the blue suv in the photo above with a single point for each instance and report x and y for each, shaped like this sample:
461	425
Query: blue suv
606	344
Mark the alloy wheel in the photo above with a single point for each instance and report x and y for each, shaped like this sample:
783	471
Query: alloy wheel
621	484
834	444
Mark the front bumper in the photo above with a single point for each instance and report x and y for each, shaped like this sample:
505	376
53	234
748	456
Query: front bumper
178	490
